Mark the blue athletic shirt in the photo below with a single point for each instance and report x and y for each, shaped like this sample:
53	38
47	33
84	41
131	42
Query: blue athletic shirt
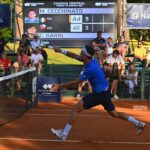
95	75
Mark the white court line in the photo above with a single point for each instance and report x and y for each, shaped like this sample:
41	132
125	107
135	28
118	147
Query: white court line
66	115
76	141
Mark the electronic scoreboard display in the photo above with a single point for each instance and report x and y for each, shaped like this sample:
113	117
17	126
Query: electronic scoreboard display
69	23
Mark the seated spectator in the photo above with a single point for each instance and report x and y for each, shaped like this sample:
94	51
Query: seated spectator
106	70
99	43
98	56
109	46
16	66
140	54
122	47
114	78
131	78
36	42
36	60
5	65
116	58
23	51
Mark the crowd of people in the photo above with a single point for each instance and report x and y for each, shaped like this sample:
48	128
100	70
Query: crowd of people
112	57
29	54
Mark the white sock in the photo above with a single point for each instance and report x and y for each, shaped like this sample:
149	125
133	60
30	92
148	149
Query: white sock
133	120
67	129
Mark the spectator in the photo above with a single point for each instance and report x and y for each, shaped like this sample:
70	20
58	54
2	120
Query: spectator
99	43
16	66
116	58
5	65
114	78
36	60
131	78
36	42
23	51
31	17
109	46
3	44
106	70
140	54
122	46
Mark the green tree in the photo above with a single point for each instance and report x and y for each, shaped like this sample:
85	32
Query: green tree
6	32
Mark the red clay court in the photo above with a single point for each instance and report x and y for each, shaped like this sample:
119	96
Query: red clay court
93	130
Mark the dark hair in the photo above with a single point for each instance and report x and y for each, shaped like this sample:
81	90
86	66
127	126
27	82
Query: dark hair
116	52
99	31
105	64
90	50
24	35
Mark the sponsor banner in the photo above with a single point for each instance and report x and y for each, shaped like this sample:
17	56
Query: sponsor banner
138	15
44	85
4	15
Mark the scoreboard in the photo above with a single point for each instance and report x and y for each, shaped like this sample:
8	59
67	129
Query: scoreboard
69	23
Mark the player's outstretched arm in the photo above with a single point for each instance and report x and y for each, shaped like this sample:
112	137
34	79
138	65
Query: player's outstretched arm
67	53
56	87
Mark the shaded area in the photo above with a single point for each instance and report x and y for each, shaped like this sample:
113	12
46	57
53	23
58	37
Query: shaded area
11	109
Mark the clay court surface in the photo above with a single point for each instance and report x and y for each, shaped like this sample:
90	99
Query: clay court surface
93	130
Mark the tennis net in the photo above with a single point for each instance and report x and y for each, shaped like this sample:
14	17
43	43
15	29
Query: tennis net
17	94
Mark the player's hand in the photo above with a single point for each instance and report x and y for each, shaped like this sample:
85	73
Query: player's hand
55	88
57	49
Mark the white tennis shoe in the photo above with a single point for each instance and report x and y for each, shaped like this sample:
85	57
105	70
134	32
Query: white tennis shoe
140	128
59	134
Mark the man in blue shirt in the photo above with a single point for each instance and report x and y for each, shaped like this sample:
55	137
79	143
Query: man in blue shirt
100	95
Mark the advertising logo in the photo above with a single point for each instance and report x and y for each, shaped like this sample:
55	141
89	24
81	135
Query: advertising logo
47	86
135	15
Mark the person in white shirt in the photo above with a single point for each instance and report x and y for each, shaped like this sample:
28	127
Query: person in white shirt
115	57
36	60
36	43
131	78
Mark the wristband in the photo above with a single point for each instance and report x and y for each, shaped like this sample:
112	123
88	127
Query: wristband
64	52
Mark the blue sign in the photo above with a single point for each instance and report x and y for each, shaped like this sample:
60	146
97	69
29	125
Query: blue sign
138	16
4	15
44	84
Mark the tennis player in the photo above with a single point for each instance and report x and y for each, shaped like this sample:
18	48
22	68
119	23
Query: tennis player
100	95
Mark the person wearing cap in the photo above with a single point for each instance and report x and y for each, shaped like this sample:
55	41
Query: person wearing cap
100	94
